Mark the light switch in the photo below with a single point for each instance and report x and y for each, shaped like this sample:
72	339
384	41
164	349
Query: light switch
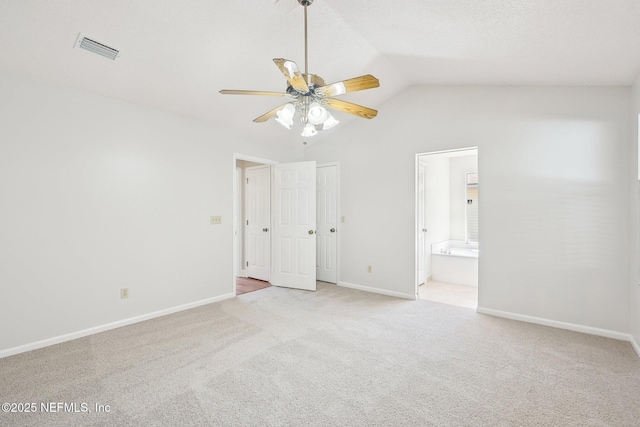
216	220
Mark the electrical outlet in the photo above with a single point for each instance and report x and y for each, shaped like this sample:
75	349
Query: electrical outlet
216	220
124	293
369	269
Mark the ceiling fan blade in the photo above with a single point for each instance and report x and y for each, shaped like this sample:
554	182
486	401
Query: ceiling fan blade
252	92
352	85
355	109
266	116
293	75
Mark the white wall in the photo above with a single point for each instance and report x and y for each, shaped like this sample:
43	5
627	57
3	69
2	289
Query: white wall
634	197
555	195
98	194
458	168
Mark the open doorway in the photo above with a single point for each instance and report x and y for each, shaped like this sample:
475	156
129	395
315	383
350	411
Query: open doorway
447	227
274	223
252	224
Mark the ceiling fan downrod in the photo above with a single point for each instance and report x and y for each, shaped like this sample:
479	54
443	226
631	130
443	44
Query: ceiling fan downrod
306	3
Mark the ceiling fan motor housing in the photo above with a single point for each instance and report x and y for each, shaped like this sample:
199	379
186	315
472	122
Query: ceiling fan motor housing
305	2
313	81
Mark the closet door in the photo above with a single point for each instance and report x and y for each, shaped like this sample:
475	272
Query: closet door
327	223
258	222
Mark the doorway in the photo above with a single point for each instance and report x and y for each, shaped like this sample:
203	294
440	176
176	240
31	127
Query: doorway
252	222
447	227
275	223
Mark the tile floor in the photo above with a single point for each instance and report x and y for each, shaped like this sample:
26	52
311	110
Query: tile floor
449	293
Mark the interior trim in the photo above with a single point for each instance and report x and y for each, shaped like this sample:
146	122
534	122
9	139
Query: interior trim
563	325
106	327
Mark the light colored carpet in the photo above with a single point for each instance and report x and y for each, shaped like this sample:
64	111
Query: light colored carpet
336	357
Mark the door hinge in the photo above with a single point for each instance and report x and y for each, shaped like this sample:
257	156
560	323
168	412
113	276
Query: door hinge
247	222
247	263
247	180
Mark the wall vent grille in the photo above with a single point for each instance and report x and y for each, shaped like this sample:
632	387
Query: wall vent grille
96	47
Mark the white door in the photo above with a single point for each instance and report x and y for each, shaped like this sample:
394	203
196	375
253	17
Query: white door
258	222
422	230
327	224
294	224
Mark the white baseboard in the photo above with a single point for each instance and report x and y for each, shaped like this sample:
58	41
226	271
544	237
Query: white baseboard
97	329
563	325
634	344
377	291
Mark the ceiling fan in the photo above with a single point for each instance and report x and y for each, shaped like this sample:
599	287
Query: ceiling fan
310	95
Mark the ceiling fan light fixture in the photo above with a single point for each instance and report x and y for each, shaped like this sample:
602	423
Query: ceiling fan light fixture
317	113
285	116
284	122
329	122
309	130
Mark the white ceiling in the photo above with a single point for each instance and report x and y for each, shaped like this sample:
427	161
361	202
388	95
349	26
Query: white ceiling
177	55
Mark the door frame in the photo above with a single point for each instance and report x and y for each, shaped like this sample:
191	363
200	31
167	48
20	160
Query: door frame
416	212
240	156
236	157
420	235
338	216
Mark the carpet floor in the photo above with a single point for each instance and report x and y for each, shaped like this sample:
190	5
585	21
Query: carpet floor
335	357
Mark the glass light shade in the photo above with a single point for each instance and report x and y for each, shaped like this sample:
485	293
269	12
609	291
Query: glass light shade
330	122
284	122
285	116
317	113
309	130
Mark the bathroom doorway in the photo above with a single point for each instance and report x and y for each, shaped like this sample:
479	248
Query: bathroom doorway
447	227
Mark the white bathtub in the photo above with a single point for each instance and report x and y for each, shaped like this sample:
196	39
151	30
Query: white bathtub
466	252
453	261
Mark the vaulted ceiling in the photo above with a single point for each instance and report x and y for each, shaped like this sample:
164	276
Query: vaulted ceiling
177	55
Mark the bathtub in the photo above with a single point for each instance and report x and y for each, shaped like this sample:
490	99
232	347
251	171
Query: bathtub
454	261
467	252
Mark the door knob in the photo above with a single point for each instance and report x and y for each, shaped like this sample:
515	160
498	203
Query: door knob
333	230
311	232
265	229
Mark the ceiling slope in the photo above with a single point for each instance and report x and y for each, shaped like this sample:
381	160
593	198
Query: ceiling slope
176	56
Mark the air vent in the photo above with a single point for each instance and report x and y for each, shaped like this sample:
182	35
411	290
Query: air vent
96	47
